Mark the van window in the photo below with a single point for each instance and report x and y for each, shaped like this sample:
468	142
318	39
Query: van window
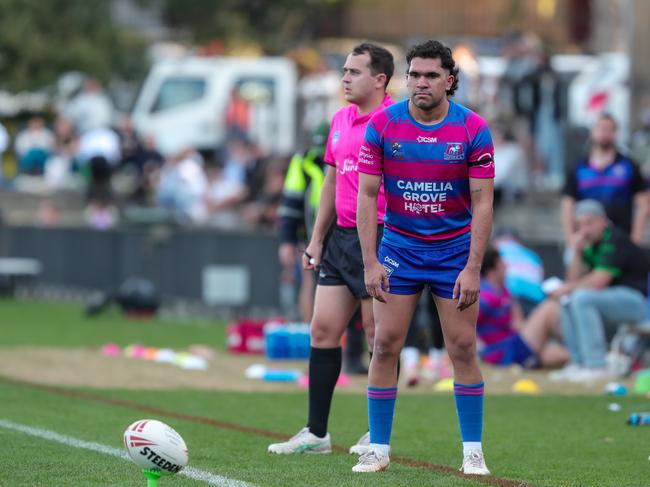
178	91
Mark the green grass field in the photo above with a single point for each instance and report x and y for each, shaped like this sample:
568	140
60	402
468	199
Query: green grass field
542	441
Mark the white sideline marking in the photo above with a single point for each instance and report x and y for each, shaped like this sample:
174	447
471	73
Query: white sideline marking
193	473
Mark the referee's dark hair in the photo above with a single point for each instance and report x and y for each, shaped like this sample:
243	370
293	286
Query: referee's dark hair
381	60
435	50
490	260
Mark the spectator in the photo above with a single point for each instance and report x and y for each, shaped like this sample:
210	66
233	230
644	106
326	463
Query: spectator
507	337
90	109
511	174
182	185
33	145
263	210
148	162
4	145
641	141
610	178
524	269
222	197
102	142
607	283
297	213
58	167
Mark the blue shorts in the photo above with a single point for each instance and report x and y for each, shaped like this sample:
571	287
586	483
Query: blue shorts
512	350
409	270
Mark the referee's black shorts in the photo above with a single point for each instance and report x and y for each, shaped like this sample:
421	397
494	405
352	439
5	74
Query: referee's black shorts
342	263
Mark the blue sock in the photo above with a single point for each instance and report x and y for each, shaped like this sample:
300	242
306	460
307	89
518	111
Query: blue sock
381	406
469	406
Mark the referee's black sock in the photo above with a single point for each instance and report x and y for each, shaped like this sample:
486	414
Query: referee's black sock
324	370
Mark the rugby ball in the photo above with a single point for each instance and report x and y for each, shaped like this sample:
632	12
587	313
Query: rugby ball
152	444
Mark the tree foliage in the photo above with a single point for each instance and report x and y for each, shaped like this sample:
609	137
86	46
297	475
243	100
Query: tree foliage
41	39
274	25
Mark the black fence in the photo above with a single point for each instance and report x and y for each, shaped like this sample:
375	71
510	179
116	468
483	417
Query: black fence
220	268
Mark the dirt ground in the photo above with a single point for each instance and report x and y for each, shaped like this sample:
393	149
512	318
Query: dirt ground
88	368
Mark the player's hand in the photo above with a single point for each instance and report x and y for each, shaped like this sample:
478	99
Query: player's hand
312	256
562	290
376	281
467	288
577	242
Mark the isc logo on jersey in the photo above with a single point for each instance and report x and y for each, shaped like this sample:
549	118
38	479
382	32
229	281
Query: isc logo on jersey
389	265
427	140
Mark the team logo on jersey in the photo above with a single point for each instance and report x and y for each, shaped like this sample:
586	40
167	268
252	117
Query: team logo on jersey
396	150
454	151
335	137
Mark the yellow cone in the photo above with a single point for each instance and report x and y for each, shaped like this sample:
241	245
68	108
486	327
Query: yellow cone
525	386
444	385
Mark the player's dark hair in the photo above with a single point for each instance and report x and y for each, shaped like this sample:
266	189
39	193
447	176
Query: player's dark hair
609	117
490	260
435	50
381	60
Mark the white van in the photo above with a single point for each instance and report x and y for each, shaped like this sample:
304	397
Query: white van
197	101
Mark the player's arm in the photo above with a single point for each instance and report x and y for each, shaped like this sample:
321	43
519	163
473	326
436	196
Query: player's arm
568	227
641	215
324	219
468	283
570	194
375	274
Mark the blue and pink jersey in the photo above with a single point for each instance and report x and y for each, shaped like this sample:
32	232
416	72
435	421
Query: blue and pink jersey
347	132
494	322
426	171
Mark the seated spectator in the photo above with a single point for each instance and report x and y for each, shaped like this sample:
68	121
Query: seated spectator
181	186
4	145
263	211
33	145
524	269
222	197
58	167
508	338
607	283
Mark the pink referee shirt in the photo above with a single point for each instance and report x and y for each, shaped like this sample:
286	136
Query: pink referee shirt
347	132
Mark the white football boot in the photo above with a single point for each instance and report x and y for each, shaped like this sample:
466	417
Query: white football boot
474	463
361	446
303	442
372	461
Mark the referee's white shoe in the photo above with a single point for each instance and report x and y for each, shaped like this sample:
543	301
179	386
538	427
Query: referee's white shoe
303	442
361	446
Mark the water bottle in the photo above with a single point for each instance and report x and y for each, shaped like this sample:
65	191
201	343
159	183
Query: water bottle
639	419
278	375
